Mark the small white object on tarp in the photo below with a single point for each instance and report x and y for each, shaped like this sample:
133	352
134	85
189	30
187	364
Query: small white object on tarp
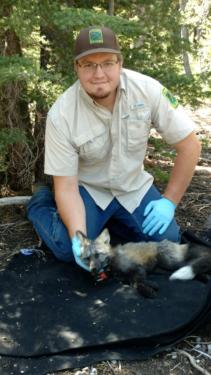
27	251
32	250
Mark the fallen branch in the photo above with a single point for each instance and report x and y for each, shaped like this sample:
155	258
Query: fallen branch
8	201
7	225
205	160
202	353
193	362
202	170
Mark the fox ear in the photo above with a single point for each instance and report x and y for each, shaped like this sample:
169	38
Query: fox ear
104	236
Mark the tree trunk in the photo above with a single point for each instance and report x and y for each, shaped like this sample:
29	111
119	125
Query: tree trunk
203	14
41	112
200	31
185	37
111	8
14	113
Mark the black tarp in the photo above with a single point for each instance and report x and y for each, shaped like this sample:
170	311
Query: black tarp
53	316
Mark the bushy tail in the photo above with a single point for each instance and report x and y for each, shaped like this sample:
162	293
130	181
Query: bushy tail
198	266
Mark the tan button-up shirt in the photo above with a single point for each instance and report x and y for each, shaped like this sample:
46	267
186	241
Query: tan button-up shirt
106	150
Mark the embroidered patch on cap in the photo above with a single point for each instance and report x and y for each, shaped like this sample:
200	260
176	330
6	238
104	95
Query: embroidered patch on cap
173	101
95	36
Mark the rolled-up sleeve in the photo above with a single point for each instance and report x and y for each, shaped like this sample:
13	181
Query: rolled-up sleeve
171	122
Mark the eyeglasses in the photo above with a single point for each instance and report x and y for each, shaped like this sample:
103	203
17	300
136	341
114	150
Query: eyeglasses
106	66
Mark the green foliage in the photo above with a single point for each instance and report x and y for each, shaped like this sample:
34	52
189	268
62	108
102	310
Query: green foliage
160	176
160	147
188	89
206	143
149	33
161	151
16	68
9	137
191	90
41	37
65	25
157	143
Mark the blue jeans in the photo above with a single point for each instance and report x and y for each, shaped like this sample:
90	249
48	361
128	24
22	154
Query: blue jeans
124	226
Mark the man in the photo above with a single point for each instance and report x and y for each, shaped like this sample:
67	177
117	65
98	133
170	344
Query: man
96	140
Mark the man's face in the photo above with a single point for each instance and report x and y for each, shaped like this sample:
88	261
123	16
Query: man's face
99	81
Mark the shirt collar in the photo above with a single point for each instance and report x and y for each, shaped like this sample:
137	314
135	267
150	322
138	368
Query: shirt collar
122	82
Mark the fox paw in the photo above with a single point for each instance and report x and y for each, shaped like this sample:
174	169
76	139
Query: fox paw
148	290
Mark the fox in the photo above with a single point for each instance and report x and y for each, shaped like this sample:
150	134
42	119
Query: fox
135	260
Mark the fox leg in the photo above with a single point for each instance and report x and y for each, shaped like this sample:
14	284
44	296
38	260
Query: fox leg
144	287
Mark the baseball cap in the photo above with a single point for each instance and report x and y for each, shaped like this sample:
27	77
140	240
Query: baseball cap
95	39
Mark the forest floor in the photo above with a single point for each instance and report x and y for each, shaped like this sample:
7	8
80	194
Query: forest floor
194	212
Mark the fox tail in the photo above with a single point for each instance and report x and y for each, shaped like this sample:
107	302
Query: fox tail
198	266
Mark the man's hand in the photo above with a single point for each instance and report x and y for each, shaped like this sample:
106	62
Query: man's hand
76	247
159	214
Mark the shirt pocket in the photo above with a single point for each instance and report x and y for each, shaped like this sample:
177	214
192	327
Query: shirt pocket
138	128
95	147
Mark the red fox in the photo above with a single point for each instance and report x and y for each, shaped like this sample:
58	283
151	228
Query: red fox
136	259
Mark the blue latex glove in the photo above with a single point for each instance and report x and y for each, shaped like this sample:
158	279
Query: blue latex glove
76	248
159	214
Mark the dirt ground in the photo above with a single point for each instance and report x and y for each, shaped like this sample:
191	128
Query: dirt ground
193	355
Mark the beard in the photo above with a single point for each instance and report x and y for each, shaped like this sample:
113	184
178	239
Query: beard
99	94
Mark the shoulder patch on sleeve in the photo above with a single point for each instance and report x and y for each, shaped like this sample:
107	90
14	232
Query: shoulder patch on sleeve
172	100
